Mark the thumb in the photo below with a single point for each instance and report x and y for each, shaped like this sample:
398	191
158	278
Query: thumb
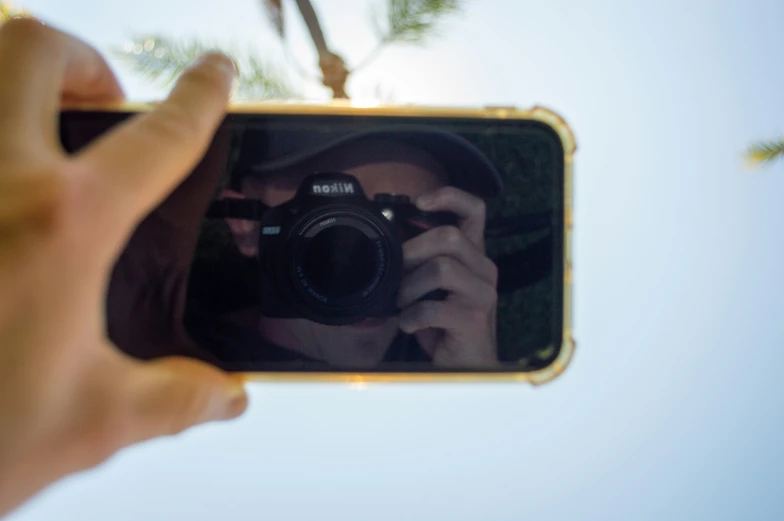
171	395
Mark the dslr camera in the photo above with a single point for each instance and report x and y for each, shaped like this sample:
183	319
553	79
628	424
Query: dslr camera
330	254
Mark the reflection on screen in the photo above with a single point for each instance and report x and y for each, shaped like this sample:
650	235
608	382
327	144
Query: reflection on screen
312	244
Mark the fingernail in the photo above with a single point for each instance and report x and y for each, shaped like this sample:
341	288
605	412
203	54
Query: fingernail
234	402
220	61
236	407
424	201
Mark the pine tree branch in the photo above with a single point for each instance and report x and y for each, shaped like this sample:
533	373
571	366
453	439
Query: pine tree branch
314	27
275	15
414	21
8	11
764	152
408	21
161	60
274	10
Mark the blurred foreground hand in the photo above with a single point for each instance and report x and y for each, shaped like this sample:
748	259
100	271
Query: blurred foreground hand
69	399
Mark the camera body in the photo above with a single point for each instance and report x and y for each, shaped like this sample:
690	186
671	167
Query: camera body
333	256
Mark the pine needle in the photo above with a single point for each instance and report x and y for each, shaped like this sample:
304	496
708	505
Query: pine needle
414	21
765	152
162	60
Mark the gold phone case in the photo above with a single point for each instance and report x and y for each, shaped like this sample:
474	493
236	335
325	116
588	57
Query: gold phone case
338	108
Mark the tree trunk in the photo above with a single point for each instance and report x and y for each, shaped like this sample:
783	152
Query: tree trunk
333	68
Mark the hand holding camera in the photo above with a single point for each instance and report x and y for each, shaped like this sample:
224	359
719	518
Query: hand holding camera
459	331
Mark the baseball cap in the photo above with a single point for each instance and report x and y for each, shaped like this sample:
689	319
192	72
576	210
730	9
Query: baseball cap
467	167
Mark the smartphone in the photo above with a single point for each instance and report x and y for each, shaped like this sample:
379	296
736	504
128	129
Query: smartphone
297	249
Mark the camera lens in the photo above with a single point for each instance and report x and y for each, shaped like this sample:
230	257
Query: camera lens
344	263
340	261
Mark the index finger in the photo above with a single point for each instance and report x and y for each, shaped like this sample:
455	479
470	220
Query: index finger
136	165
40	66
469	208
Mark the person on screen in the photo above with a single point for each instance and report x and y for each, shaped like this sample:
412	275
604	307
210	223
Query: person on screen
459	332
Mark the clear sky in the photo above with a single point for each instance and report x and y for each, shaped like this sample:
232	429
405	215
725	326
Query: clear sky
673	407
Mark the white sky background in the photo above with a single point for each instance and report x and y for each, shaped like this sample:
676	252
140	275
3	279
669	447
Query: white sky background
672	407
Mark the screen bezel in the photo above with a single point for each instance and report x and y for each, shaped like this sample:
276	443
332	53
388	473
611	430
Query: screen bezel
500	117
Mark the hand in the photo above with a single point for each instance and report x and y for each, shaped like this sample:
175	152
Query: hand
69	399
460	331
147	293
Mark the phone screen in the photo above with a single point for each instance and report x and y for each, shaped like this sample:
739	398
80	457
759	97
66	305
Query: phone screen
297	244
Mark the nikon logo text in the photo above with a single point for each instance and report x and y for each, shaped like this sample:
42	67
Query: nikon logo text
334	188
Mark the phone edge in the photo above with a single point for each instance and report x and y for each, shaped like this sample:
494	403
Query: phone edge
338	108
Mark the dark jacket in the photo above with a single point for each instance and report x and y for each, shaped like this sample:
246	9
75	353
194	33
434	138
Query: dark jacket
239	348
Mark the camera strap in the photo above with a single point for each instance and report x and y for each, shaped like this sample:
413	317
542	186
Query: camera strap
235	208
